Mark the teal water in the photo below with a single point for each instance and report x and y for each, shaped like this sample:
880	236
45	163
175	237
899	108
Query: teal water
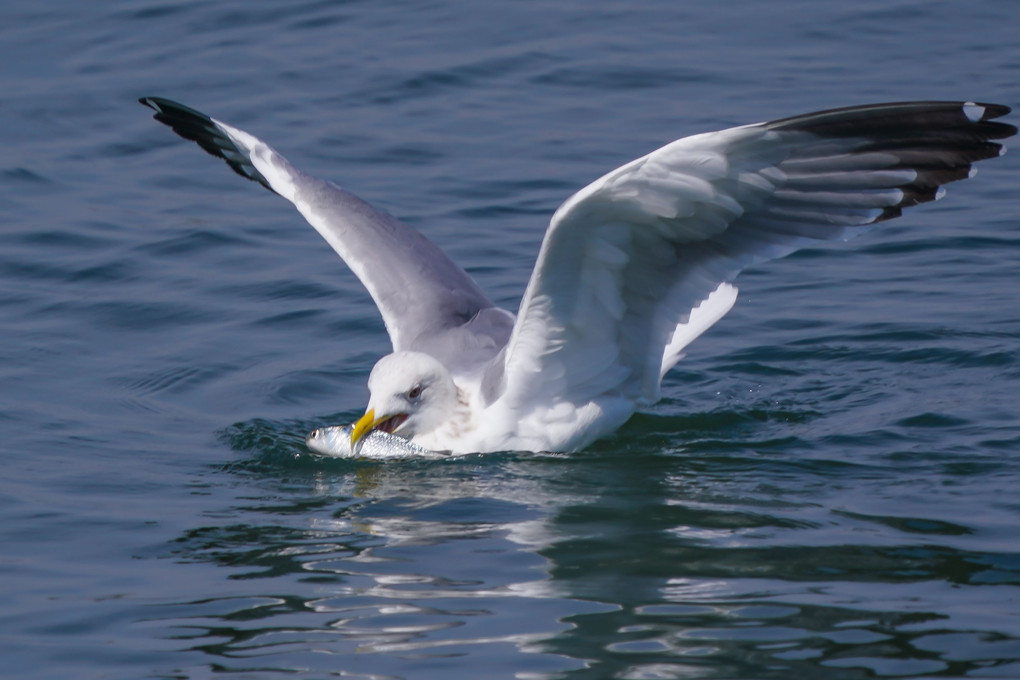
827	490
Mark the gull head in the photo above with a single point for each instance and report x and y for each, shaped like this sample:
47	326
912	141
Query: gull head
410	394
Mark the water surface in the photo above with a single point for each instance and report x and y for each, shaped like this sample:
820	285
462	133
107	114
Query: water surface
827	489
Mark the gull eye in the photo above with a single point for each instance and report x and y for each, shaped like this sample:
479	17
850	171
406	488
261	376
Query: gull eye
415	392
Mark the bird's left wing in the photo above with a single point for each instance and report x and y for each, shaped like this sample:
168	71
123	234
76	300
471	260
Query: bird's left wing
427	302
637	264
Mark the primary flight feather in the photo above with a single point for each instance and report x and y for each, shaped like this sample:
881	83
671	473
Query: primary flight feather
632	268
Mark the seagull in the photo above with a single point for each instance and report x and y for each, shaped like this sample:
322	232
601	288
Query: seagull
631	270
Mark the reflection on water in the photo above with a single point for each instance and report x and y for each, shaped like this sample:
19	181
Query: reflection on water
621	565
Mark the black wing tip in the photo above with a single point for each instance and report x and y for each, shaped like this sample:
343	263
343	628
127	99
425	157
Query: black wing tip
990	111
940	141
197	127
984	115
973	119
172	110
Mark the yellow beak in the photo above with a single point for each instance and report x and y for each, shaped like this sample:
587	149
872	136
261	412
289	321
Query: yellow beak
364	425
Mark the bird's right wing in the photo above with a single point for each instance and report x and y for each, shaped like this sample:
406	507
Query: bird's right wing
637	264
420	292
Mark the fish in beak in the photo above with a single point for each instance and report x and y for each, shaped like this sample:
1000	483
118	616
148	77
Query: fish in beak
369	422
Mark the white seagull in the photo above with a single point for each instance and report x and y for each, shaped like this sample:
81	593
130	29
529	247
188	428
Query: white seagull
632	268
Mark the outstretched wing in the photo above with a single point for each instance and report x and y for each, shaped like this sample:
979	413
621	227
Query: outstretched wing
636	265
420	292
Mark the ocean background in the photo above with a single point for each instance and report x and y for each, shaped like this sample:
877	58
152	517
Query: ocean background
829	489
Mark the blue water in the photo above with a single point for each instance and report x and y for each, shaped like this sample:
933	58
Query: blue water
827	490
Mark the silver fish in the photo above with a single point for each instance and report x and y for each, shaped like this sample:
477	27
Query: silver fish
335	441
